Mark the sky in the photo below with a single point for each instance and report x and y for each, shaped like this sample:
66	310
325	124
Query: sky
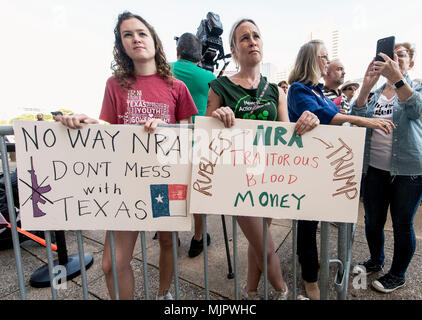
57	53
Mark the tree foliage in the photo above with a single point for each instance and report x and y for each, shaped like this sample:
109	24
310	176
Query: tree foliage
33	116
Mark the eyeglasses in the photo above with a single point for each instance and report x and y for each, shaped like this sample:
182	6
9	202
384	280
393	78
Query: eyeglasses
402	53
349	88
324	57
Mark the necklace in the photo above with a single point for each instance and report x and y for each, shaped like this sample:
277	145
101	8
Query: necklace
251	85
255	83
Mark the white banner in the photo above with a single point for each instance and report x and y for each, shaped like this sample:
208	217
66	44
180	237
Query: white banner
261	168
102	177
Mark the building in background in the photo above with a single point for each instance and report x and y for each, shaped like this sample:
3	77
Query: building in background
332	42
335	39
270	71
282	75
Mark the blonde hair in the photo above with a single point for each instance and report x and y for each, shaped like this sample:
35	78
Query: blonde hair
232	36
306	66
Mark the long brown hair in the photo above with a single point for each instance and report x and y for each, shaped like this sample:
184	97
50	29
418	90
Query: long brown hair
123	67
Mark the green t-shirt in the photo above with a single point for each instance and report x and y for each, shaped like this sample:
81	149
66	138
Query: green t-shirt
196	79
242	100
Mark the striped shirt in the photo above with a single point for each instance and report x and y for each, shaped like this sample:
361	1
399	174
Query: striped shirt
331	93
334	95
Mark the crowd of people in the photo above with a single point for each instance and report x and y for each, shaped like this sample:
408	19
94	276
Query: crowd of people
393	148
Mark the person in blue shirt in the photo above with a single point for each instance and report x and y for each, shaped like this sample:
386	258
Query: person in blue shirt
392	164
305	94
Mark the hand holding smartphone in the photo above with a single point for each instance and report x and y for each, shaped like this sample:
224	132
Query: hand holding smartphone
385	45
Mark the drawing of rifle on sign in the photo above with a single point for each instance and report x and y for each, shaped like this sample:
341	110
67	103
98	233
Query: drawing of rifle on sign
263	169
103	177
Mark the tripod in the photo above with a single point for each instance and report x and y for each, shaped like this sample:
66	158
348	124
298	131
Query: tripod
230	274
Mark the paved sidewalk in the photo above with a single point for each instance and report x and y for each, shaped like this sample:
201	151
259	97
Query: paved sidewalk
191	270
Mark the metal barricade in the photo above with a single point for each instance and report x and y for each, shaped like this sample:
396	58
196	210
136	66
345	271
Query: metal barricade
10	203
345	244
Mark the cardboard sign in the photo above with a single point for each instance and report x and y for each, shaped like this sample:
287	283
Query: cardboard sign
102	177
263	169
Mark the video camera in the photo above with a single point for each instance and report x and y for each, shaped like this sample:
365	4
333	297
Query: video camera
209	33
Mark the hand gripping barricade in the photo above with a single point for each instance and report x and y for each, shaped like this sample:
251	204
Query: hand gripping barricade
345	242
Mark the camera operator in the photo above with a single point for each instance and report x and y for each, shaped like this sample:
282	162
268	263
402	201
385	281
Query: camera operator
189	54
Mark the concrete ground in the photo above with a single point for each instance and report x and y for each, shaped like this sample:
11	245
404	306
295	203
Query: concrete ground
191	279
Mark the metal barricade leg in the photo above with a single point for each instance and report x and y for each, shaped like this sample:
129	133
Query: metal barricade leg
348	258
294	258
176	271
265	257
12	217
325	261
82	264
342	256
236	275
345	245
50	265
350	232
205	246
145	264
113	264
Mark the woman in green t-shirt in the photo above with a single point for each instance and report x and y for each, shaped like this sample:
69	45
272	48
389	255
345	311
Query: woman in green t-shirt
248	95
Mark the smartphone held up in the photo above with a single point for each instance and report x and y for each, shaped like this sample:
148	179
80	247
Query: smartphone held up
385	45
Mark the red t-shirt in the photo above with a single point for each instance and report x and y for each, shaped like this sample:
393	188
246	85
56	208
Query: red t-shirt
149	97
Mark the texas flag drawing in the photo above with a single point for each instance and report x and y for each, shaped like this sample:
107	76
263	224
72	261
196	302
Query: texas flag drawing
168	200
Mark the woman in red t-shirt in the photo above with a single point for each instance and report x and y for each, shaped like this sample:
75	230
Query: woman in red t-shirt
142	90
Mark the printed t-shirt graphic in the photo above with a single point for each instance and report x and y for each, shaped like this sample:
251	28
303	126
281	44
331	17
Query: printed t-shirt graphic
384	107
381	142
149	97
141	109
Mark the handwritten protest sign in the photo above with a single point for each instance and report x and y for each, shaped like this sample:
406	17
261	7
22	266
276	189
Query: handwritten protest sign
102	177
262	168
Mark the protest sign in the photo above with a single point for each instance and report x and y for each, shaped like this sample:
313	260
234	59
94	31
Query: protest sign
102	177
263	169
